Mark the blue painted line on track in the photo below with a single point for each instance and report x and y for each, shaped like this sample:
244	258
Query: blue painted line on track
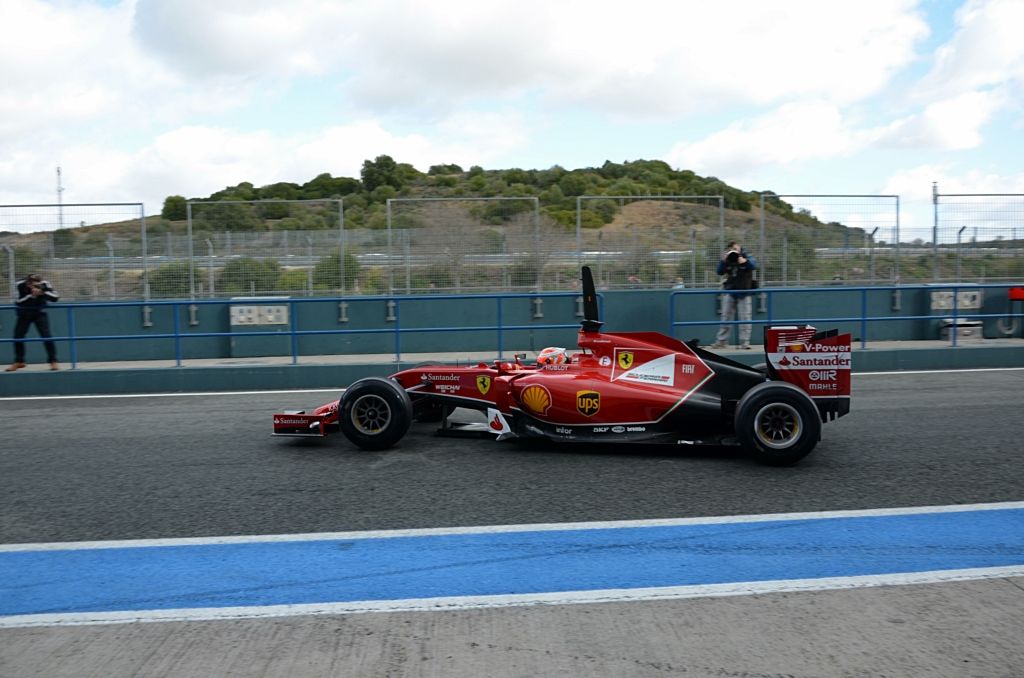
502	563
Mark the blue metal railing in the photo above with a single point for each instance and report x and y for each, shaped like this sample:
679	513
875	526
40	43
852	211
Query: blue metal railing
955	314
177	335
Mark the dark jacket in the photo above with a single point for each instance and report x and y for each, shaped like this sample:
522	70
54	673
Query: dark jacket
738	276
30	305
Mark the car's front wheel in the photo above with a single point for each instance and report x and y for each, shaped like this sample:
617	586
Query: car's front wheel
777	423
374	413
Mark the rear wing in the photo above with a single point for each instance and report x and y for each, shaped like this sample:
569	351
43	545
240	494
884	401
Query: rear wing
819	363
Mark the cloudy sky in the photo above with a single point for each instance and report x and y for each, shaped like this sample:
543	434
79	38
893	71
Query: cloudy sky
139	99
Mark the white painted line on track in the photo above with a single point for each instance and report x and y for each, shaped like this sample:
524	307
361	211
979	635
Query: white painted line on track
193	394
911	372
495	529
517	600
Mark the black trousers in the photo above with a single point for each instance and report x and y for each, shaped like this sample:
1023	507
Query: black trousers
42	324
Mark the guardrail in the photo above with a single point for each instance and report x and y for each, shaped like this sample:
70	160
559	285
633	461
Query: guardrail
392	303
766	297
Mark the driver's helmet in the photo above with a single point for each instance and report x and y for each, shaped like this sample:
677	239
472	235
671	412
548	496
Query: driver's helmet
552	355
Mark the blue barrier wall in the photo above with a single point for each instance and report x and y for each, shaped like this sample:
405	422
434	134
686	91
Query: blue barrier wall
468	323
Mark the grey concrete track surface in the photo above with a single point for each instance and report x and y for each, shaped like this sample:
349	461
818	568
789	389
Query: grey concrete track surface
148	467
969	630
201	466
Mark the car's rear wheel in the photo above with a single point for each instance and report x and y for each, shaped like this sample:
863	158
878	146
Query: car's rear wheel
777	423
374	413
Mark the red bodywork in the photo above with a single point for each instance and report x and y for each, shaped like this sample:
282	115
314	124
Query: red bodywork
638	386
598	386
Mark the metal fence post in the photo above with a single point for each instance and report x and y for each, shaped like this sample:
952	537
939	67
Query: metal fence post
177	334
398	331
579	232
110	266
898	254
536	239
341	247
391	263
935	232
145	251
958	255
209	267
191	258
72	347
10	271
293	327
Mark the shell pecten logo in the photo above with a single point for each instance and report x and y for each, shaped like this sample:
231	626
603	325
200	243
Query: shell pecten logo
537	399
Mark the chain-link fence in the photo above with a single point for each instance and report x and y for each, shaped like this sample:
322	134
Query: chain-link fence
98	252
467	245
67	245
818	239
259	247
976	236
650	241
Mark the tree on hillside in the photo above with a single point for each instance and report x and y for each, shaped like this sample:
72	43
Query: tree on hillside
243	191
272	209
326	186
408	174
381	171
226	216
282	190
573	184
612	170
174	208
444	169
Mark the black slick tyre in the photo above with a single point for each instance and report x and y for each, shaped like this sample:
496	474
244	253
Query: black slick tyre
777	423
374	413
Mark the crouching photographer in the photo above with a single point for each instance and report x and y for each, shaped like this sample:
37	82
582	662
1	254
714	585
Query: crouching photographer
738	268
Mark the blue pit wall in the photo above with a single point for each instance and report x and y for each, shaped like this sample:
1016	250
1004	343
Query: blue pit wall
327	342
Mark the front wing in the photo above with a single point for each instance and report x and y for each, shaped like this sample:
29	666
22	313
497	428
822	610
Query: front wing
299	424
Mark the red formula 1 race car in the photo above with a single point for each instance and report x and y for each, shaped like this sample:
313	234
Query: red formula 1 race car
638	387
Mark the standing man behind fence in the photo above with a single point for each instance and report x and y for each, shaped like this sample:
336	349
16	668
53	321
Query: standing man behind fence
738	268
33	295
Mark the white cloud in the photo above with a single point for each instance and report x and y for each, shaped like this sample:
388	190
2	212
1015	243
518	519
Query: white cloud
196	161
57	63
793	133
950	124
656	58
986	50
149	97
813	130
916	183
239	38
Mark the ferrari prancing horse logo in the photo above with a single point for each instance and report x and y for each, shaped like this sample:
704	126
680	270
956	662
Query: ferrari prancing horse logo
625	359
483	384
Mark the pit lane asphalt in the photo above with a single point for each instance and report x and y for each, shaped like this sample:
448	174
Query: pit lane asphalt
162	467
151	467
